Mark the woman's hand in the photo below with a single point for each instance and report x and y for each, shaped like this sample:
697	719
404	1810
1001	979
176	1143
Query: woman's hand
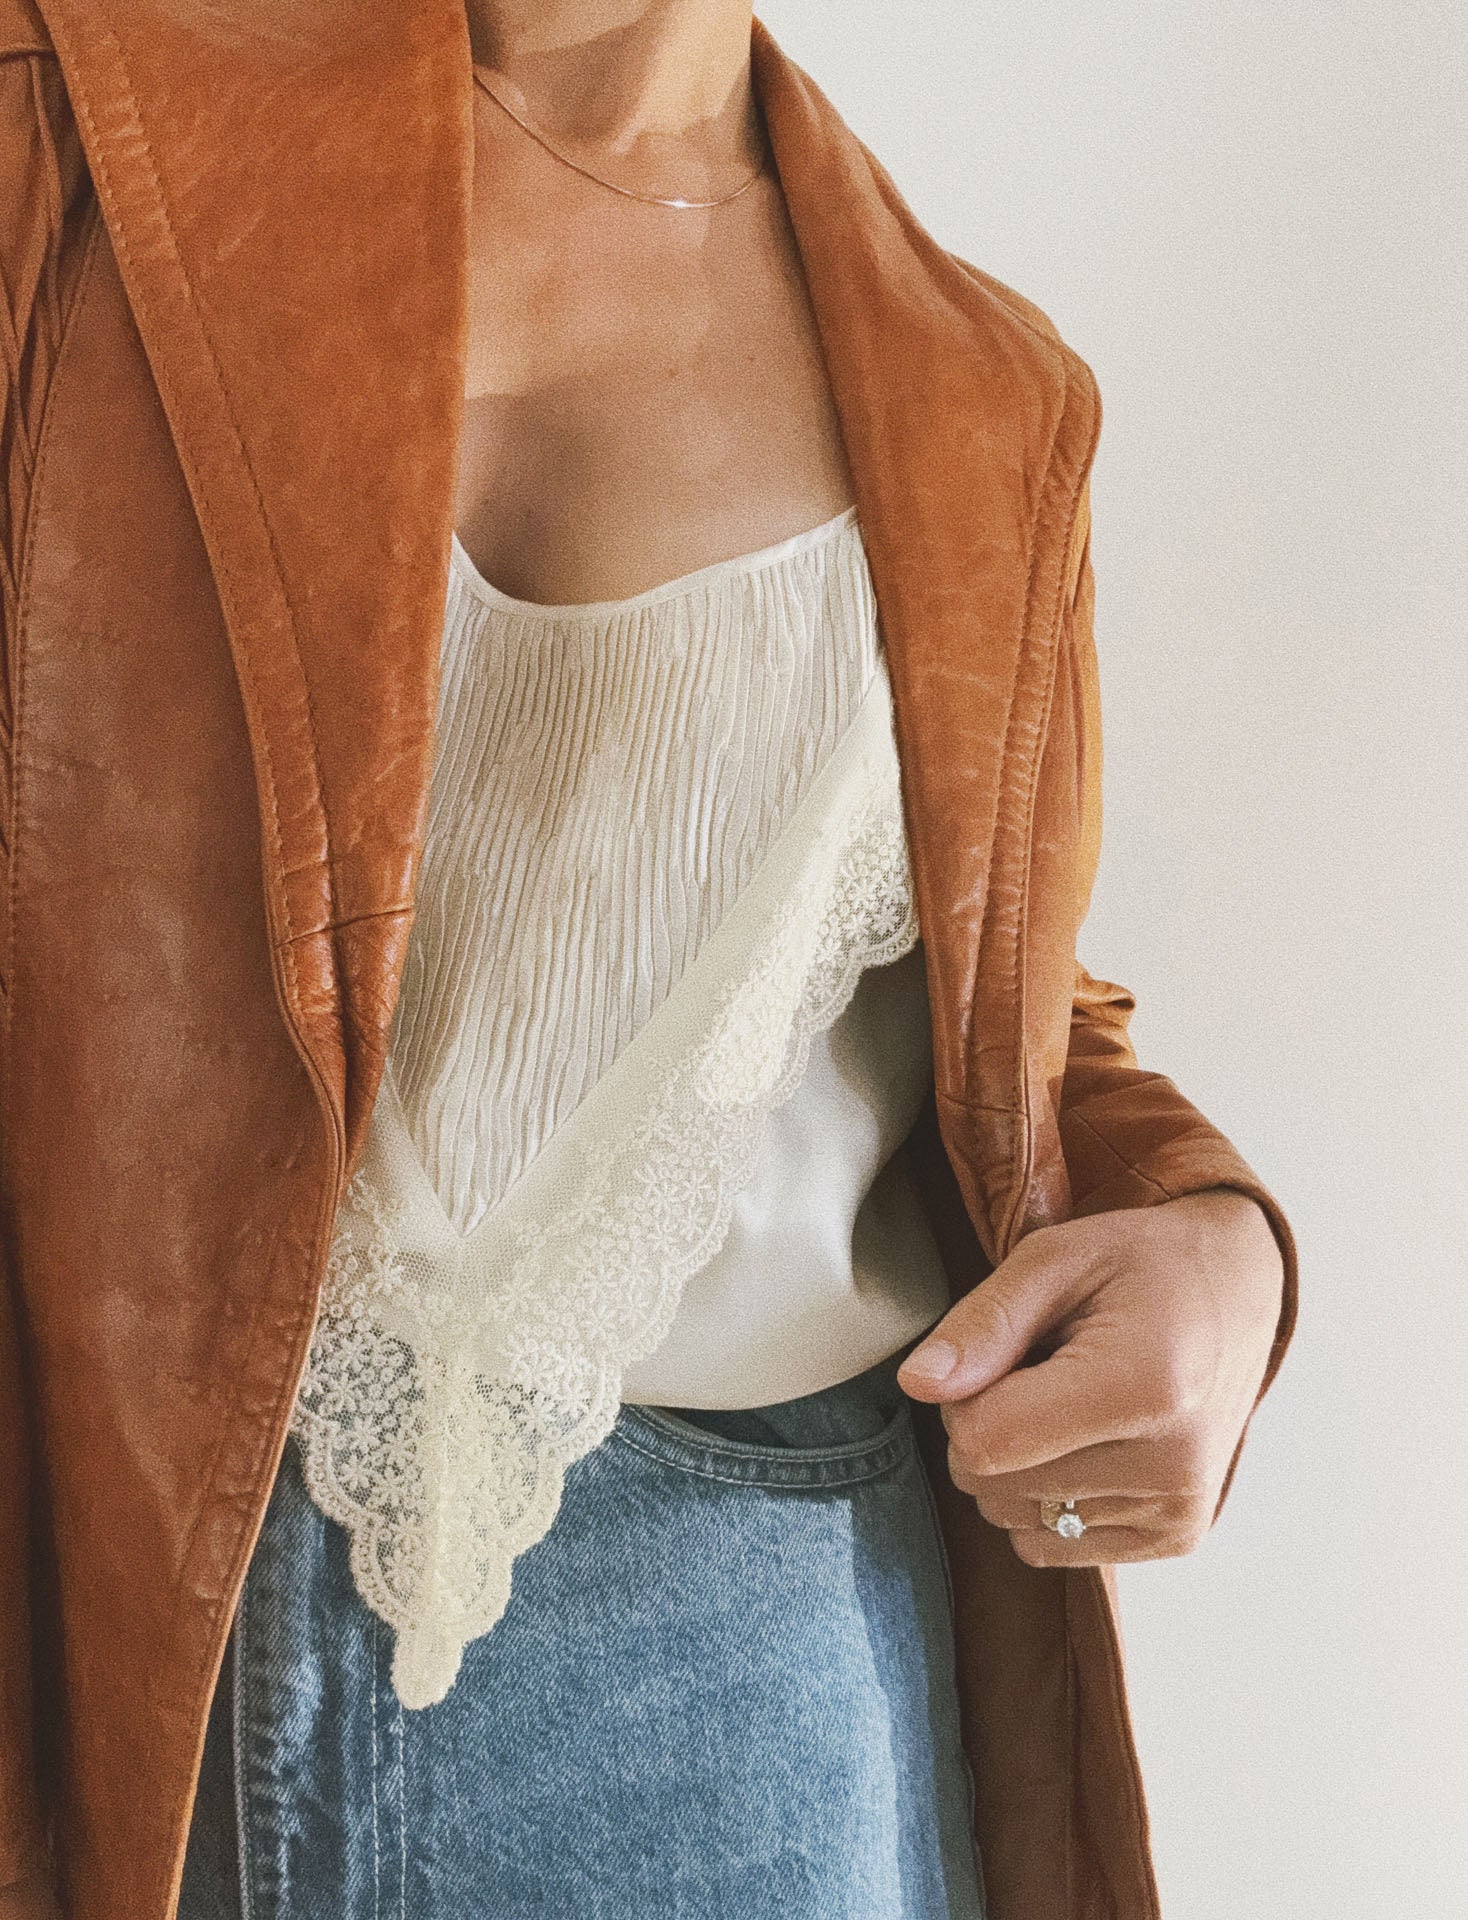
1150	1328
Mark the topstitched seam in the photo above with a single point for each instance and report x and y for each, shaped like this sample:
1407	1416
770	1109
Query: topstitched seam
17	649
350	920
1023	1150
1020	1143
243	452
1130	1165
82	107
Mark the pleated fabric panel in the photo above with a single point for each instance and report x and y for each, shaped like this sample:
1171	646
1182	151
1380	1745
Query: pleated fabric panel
608	775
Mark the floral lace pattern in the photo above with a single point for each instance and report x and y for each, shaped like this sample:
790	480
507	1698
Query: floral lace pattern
453	1381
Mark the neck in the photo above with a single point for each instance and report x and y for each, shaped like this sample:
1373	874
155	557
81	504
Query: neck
643	79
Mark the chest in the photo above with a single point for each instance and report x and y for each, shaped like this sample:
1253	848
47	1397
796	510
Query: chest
644	394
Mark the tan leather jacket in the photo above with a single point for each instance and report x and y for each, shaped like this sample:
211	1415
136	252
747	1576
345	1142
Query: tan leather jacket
233	268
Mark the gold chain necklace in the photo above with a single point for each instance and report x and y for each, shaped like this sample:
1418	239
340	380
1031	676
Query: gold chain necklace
653	199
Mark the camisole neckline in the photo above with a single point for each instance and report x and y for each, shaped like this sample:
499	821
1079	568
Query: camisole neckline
683	583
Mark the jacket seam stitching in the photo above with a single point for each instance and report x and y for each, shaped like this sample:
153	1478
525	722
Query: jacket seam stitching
121	244
121	241
45	441
1022	1150
337	926
970	1105
1130	1165
1007	758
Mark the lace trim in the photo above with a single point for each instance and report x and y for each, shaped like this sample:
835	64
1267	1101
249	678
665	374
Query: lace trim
438	1419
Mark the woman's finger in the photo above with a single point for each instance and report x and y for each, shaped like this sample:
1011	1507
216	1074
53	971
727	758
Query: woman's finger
1017	1512
1167	1465
1097	1546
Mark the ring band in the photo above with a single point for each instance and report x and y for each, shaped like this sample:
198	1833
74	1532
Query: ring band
1060	1517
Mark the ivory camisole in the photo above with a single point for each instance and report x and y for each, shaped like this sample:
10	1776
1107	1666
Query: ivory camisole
661	1026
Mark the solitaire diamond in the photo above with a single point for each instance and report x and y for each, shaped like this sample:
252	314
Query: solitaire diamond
1070	1524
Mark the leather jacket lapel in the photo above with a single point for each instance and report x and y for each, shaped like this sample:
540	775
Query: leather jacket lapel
288	189
969	432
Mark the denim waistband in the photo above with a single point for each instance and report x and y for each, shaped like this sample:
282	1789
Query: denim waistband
839	1436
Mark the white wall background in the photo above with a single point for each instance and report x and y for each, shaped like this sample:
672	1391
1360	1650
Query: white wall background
1250	219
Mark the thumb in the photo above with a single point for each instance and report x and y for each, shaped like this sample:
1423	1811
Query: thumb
989	1331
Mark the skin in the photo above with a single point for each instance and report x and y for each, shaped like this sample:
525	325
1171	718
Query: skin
646	394
645	391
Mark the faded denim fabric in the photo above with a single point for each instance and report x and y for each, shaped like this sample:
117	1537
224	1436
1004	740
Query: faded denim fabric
723	1686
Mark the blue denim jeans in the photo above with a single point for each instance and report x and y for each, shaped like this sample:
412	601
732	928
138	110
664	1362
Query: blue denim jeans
724	1685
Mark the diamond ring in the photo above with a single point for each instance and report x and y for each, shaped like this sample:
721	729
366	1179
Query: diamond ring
1060	1517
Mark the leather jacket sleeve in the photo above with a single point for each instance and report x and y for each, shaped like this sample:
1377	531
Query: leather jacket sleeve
1130	1138
44	202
